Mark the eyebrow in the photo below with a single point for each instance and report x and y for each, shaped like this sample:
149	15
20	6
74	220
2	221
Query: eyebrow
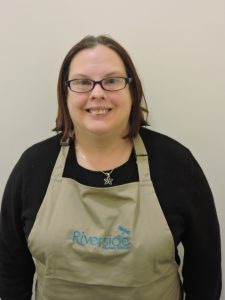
114	73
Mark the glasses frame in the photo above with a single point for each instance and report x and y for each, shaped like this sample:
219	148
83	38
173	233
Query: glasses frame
127	81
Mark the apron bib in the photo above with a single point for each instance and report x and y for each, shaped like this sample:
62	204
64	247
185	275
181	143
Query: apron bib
103	243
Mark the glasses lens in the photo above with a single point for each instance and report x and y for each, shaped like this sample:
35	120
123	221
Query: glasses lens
81	85
114	83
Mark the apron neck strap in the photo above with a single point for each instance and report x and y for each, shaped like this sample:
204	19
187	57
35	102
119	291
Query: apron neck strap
142	160
61	161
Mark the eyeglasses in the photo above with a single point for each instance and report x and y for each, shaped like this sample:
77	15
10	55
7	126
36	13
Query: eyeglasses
107	84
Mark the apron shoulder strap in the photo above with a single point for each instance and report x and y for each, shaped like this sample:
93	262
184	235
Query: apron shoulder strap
142	160
61	160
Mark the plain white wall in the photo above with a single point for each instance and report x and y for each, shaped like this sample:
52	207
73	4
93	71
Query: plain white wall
177	46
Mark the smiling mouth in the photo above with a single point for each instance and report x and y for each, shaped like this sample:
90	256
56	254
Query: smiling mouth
98	110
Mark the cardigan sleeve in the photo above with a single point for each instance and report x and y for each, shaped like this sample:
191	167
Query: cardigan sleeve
201	241
16	263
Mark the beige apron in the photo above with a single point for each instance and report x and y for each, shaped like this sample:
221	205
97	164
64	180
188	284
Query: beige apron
109	243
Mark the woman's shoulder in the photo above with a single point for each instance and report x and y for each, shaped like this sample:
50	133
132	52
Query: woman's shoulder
41	154
35	163
44	147
153	138
162	147
168	156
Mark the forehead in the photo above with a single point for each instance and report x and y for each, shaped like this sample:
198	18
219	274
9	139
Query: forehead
99	60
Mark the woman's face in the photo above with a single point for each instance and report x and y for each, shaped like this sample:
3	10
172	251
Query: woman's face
99	112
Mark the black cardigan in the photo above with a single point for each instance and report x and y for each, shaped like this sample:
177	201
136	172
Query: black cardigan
181	188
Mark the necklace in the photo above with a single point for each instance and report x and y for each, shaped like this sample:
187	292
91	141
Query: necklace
108	180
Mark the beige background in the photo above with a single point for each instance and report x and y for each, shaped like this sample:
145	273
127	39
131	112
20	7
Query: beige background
178	48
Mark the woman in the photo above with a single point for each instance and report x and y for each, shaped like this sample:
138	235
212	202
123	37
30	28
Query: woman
98	221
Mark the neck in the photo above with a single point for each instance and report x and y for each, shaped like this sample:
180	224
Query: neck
102	153
99	142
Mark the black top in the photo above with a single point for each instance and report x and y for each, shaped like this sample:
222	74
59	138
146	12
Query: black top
180	186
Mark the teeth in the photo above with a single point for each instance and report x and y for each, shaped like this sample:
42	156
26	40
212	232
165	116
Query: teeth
98	111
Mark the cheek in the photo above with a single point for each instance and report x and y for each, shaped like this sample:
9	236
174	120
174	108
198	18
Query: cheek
124	99
70	106
128	102
74	102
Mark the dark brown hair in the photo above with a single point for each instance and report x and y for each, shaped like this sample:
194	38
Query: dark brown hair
139	111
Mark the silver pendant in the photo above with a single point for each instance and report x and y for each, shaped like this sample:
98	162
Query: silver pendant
108	180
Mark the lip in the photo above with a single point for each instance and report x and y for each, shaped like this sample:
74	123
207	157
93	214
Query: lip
98	110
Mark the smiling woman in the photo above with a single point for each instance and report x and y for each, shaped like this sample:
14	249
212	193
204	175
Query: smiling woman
99	111
124	67
85	204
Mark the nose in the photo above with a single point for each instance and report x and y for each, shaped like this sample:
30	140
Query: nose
98	92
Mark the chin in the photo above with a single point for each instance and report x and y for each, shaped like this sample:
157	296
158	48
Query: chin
100	131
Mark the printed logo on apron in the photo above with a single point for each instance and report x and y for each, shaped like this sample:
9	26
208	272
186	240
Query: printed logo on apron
116	241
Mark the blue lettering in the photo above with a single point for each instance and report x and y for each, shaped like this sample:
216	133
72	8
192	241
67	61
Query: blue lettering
125	242
95	240
118	242
76	234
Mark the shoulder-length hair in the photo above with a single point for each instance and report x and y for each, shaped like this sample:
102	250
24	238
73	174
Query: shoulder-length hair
139	110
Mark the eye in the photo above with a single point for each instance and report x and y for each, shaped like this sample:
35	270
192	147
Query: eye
112	81
81	82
